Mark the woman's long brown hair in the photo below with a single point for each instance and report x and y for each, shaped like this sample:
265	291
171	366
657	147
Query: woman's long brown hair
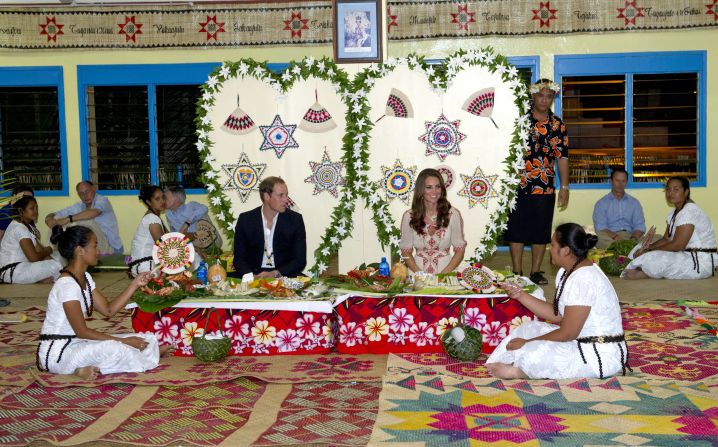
417	204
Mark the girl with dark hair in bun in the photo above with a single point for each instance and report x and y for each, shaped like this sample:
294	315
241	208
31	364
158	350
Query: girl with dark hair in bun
23	259
150	229
67	345
583	333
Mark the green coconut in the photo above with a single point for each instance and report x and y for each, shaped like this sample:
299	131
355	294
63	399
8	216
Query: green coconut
462	342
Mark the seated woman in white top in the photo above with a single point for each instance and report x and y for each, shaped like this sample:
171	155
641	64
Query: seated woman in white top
67	345
23	259
431	227
582	335
149	230
687	249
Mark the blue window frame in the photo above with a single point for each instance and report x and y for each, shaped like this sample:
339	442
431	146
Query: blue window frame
136	90
39	92
657	111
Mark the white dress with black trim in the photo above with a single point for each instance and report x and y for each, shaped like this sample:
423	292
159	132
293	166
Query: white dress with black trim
61	352
541	359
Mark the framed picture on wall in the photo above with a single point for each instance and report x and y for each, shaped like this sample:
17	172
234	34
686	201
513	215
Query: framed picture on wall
357	31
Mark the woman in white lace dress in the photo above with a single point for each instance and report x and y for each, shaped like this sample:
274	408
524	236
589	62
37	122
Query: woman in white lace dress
67	345
687	249
150	229
583	336
431	228
23	259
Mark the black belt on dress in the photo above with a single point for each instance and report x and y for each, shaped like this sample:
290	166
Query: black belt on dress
694	257
620	338
5	268
51	338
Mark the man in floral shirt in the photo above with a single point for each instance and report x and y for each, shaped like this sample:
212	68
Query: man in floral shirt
530	222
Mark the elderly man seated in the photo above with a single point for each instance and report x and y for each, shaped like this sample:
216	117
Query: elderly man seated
192	219
617	215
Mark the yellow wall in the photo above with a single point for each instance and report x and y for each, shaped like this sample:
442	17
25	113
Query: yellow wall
129	209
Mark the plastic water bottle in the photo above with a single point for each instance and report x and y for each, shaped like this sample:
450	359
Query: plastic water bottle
202	272
384	267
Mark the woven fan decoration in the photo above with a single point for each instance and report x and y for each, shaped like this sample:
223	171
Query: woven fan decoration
477	278
238	122
481	103
317	119
397	105
174	252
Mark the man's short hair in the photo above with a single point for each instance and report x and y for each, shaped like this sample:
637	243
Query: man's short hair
88	182
178	192
267	185
618	170
22	187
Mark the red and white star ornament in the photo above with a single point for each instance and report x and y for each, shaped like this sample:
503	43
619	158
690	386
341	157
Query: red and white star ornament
544	14
51	28
478	188
442	137
712	8
463	17
278	136
244	176
130	29
326	175
212	27
398	181
630	12
391	20
296	24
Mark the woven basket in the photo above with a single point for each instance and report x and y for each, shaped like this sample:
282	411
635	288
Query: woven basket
211	350
462	342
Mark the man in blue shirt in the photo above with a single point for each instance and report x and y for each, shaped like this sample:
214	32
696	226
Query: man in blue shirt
193	220
92	211
618	216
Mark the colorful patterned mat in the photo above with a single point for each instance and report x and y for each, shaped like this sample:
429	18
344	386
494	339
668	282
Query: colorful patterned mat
436	409
664	343
241	412
18	345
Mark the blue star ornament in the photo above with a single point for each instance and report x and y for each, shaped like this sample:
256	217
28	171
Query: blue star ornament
278	136
442	137
398	181
326	175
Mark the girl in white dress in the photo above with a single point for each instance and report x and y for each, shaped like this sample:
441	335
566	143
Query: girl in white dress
583	337
687	249
67	345
23	259
149	230
431	228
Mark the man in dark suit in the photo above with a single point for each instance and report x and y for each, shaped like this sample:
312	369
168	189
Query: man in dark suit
270	240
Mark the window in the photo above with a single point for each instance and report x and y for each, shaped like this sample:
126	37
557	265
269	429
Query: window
32	127
644	112
138	126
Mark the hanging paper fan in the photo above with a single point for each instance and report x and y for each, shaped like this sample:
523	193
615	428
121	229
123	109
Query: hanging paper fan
174	252
317	119
398	105
481	103
238	122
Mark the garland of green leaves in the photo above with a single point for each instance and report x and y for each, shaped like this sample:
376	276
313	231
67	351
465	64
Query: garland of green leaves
356	140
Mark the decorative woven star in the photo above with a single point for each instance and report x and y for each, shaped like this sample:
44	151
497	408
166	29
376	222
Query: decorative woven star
278	136
51	28
630	12
391	20
463	17
713	9
131	28
398	182
442	137
544	14
296	24
326	175
479	188
244	176
212	27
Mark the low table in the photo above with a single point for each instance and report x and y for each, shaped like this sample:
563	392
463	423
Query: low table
256	327
415	323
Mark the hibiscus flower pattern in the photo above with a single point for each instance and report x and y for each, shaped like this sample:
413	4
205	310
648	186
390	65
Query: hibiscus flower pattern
444	324
350	334
189	331
235	329
400	320
547	142
474	318
375	328
165	330
422	334
287	340
263	333
307	326
493	333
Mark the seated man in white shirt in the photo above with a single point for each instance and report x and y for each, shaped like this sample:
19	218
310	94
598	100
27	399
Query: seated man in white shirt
192	219
617	215
95	212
